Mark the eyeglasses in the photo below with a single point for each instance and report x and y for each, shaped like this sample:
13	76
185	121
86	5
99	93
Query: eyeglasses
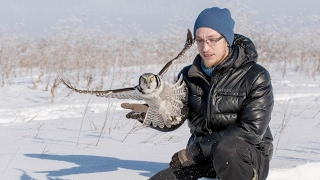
210	42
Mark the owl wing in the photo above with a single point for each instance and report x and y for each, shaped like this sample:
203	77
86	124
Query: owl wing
168	118
180	91
153	116
180	97
187	45
169	111
123	93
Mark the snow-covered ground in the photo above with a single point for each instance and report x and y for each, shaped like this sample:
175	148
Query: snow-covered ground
86	137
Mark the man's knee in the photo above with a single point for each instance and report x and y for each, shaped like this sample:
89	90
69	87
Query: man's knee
228	146
233	158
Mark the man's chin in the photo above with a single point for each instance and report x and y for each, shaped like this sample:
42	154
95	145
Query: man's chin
209	63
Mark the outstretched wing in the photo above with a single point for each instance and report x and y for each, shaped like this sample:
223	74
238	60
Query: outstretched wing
187	45
124	93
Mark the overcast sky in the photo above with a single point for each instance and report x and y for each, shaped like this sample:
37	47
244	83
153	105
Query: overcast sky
40	15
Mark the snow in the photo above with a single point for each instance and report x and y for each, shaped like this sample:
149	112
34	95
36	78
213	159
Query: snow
86	137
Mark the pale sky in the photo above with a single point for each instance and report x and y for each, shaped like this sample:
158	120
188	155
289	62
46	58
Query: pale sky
40	15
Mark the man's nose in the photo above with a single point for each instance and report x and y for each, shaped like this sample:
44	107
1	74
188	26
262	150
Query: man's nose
205	46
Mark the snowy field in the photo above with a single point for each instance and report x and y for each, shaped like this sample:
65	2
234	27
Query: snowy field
86	137
83	137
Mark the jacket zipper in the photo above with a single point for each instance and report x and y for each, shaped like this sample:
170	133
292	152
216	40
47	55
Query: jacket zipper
208	129
215	81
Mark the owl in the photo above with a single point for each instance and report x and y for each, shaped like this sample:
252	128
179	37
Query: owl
165	102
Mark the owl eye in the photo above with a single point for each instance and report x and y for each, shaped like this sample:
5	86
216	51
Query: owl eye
144	80
151	79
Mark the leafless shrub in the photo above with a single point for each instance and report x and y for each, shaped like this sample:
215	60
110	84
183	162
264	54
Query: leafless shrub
35	84
53	88
88	54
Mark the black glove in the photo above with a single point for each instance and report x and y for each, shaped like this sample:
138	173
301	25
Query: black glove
138	111
181	159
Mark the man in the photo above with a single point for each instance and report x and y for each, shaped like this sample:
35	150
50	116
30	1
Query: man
229	106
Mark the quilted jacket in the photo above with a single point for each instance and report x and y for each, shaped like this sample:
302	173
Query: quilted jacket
237	100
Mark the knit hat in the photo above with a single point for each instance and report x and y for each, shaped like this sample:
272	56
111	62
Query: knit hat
217	19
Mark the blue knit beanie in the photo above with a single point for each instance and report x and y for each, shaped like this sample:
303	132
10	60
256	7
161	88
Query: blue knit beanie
217	19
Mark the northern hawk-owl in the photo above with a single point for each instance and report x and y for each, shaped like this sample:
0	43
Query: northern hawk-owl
164	101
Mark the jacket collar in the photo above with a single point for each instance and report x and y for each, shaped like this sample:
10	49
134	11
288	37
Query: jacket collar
195	69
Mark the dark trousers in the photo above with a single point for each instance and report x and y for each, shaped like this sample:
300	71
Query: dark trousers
232	159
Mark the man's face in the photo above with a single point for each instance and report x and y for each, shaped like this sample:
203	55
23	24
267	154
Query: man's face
212	49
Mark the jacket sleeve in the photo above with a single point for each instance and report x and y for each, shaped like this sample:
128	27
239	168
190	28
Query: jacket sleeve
253	119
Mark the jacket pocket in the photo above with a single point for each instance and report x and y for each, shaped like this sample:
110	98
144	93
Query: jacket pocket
231	93
228	101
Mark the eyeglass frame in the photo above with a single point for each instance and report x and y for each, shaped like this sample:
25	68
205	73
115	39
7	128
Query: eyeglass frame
210	42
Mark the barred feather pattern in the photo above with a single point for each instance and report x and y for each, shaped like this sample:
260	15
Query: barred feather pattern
189	42
125	93
166	109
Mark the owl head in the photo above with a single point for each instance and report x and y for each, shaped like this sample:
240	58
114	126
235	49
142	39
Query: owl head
149	82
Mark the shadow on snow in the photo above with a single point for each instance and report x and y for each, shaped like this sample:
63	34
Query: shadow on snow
94	164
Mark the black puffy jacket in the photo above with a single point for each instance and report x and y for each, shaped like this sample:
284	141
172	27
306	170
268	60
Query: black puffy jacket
236	101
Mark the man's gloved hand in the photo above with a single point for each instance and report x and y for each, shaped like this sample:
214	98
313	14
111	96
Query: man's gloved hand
138	111
181	159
